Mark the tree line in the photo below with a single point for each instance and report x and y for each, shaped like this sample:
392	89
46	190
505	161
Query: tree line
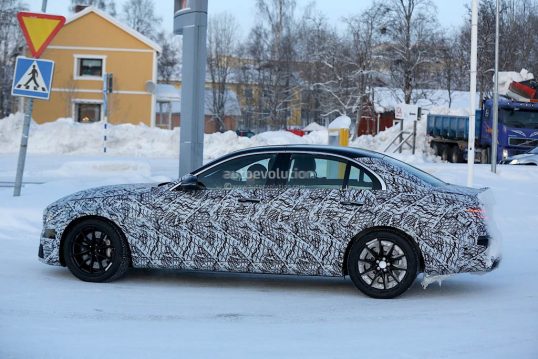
292	58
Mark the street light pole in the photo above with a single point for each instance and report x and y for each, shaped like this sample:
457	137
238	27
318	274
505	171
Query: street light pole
190	20
472	106
495	134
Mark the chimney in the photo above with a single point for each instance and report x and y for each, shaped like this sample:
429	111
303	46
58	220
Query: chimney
79	8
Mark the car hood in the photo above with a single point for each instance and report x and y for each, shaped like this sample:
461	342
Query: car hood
522	156
108	191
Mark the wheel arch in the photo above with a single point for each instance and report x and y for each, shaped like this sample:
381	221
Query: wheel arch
85	218
396	231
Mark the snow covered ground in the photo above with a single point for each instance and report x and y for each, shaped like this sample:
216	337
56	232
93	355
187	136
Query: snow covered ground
45	312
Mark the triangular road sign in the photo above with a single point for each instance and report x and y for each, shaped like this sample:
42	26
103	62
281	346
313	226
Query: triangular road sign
39	29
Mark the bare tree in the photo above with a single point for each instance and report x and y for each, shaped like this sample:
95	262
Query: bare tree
106	5
11	45
272	53
170	56
221	50
140	15
409	28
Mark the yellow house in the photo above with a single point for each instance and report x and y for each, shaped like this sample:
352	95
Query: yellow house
91	44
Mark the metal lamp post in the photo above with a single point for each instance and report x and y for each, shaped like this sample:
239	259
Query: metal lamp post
190	20
495	134
472	106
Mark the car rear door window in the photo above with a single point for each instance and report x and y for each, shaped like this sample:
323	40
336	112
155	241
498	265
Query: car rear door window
326	171
318	171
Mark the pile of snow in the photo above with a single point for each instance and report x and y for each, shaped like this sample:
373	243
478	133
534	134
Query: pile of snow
507	77
314	126
65	136
340	122
381	141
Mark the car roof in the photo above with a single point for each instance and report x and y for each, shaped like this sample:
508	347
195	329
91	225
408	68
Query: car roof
350	152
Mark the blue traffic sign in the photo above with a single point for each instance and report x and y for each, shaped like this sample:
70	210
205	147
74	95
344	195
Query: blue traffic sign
32	78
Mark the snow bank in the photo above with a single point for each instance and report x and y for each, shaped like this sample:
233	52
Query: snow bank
314	126
381	141
65	136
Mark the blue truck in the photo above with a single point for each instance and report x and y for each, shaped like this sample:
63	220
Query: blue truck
518	131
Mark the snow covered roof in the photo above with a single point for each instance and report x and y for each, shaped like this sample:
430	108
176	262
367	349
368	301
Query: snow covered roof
169	93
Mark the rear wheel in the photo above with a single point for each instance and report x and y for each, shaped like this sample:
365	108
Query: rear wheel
382	265
445	152
95	251
436	148
456	156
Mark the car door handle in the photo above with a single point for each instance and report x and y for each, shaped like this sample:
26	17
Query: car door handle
352	203
249	200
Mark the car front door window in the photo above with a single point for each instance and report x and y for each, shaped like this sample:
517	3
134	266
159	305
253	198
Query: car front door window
244	171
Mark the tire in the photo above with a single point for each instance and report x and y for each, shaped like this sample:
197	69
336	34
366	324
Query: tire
444	152
364	259
96	251
456	156
436	148
485	156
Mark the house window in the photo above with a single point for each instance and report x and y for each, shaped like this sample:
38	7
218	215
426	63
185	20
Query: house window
90	67
87	112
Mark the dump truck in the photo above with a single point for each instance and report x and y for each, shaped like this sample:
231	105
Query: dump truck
517	129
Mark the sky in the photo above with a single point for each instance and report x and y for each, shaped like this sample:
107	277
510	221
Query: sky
450	12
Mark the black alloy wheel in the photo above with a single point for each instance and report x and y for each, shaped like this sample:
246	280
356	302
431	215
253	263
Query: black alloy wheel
382	265
95	251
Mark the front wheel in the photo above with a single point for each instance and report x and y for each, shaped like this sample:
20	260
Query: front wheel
95	251
382	265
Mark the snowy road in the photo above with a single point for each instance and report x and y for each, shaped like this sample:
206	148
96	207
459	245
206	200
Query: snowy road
45	312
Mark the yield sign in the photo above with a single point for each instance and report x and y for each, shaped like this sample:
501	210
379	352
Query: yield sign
39	29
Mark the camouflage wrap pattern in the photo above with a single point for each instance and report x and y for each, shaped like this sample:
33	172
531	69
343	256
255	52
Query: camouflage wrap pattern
291	230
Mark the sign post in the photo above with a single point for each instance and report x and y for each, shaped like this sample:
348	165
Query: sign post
33	77
190	20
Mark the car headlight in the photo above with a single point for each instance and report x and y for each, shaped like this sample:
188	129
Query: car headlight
514	162
505	153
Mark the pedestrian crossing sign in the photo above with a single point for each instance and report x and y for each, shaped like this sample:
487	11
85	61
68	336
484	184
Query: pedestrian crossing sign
32	78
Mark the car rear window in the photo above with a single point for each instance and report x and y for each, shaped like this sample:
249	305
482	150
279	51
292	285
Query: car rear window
426	177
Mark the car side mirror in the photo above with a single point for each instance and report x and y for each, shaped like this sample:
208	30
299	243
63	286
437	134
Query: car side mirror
190	183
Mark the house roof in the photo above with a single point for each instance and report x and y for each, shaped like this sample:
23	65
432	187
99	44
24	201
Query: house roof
115	22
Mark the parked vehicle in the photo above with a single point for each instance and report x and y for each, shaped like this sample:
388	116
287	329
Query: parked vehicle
518	132
529	159
245	133
302	210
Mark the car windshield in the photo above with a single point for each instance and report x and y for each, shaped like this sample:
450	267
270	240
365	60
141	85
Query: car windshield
534	151
520	118
426	177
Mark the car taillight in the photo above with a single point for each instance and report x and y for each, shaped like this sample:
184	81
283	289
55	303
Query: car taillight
477	212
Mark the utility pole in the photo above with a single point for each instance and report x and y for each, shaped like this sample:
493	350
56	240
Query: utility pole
190	20
472	106
495	134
